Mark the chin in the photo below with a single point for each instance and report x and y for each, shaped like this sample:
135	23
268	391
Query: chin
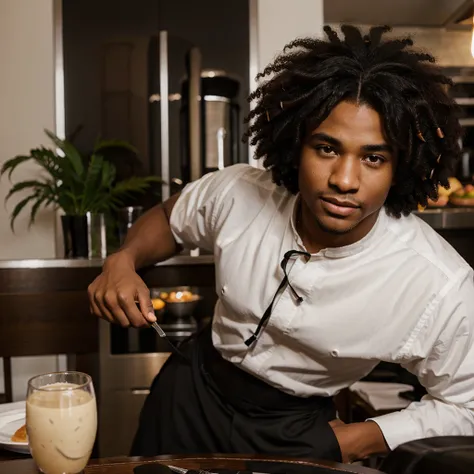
335	225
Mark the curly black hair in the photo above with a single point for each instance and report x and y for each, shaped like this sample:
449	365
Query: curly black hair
311	76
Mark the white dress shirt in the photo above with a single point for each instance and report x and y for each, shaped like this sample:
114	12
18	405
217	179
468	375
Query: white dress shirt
401	294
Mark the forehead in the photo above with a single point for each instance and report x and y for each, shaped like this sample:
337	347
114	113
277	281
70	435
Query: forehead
357	123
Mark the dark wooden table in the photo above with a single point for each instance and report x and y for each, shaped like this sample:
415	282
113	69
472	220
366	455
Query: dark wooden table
234	462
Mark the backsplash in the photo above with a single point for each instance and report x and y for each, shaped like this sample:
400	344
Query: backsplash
451	48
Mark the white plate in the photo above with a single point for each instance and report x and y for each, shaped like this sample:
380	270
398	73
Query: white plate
12	417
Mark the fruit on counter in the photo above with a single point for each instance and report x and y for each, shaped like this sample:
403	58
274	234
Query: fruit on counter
158	303
463	196
444	194
454	185
440	202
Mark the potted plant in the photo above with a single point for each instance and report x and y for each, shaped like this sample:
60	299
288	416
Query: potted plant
85	190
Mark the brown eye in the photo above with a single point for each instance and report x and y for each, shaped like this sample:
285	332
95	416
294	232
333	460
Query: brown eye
325	150
374	160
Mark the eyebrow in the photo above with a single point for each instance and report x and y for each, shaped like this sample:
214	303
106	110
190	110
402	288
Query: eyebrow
337	143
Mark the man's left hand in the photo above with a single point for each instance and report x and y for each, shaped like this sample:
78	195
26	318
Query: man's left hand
358	440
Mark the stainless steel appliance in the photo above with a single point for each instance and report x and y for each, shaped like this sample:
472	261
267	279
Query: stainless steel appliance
463	92
203	106
218	117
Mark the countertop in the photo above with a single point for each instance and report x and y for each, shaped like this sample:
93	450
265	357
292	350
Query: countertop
96	263
448	218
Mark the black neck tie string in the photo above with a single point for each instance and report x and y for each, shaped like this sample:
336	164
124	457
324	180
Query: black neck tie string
284	282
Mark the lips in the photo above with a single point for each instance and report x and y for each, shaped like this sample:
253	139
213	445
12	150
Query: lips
339	207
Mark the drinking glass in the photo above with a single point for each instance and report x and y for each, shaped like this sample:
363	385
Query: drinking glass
61	421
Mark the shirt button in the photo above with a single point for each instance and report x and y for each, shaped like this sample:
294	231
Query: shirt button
223	290
334	353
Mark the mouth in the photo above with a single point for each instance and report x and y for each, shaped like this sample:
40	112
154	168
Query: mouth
339	207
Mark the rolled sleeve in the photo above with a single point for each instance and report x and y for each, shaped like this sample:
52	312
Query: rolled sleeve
446	371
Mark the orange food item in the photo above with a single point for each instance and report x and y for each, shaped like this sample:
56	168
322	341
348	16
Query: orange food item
158	304
20	435
180	297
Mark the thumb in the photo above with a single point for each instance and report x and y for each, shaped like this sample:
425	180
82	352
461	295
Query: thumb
336	422
146	306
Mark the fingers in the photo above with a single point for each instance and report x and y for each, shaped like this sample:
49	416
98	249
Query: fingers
113	296
146	306
95	303
111	305
127	303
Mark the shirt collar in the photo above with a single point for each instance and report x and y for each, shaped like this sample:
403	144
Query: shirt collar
338	252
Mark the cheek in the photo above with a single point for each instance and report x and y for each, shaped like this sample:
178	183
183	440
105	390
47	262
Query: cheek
311	175
378	188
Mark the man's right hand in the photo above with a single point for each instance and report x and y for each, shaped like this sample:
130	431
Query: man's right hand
114	294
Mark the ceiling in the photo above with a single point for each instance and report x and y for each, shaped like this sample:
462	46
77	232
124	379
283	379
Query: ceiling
428	13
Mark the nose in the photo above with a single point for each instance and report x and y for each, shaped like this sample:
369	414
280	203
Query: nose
345	175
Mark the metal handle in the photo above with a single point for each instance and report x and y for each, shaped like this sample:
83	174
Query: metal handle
158	329
221	134
164	111
140	391
195	113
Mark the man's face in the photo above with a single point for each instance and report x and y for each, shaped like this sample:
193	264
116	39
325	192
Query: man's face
346	170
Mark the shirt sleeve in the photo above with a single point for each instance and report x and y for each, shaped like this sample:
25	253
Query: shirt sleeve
196	215
443	361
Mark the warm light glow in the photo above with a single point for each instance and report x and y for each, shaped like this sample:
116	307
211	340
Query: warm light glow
472	39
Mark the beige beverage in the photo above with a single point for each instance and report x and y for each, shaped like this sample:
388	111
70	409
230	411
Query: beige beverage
61	421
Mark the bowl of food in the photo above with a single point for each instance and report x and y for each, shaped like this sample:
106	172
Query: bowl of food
180	302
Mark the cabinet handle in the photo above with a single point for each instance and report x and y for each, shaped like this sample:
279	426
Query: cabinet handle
140	391
221	134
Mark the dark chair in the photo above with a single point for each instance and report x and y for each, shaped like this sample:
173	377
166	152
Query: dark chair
440	455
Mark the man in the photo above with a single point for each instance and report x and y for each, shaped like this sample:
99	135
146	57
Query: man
321	270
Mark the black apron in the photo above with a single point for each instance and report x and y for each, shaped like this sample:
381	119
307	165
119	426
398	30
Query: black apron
208	405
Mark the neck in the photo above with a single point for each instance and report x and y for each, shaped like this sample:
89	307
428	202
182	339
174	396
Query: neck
315	238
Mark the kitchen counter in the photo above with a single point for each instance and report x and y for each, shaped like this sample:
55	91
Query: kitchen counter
180	260
45	307
449	218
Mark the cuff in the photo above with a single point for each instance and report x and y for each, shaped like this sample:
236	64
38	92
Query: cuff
397	428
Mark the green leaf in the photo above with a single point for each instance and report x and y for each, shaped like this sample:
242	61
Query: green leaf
92	182
24	185
70	184
35	208
18	208
12	163
70	152
108	174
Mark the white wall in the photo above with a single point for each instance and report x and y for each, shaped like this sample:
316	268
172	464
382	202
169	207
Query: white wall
26	108
281	21
274	24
